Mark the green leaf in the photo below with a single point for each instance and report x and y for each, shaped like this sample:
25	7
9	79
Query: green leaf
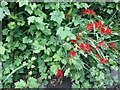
54	68
28	9
67	72
64	32
22	46
26	40
6	10
5	31
31	19
22	2
20	84
1	14
57	16
38	47
86	84
40	13
2	49
32	82
8	39
48	59
75	85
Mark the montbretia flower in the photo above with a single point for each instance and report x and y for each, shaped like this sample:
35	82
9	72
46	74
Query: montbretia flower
89	26
72	53
98	24
112	45
59	73
88	11
85	47
103	61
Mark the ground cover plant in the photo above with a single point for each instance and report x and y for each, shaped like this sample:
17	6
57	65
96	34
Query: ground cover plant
63	39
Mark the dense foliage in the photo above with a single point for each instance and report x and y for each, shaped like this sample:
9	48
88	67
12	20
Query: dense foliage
76	40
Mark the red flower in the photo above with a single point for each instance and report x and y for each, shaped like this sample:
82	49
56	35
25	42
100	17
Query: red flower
108	31
112	45
105	31
98	24
101	59
81	45
85	47
72	53
88	11
101	42
59	73
97	47
75	41
89	26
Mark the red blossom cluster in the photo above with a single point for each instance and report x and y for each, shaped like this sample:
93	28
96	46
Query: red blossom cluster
99	26
112	45
59	73
85	47
72	54
102	44
88	11
103	61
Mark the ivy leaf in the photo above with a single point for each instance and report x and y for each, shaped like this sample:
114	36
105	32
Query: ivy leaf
31	19
75	85
22	46
1	14
64	32
28	9
22	2
32	82
67	72
57	16
2	49
26	40
38	47
5	31
20	84
6	10
48	59
54	68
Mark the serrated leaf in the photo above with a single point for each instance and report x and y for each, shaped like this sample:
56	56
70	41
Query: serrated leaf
54	68
2	50
1	14
31	19
29	10
20	84
5	31
32	82
57	16
22	2
67	72
26	39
